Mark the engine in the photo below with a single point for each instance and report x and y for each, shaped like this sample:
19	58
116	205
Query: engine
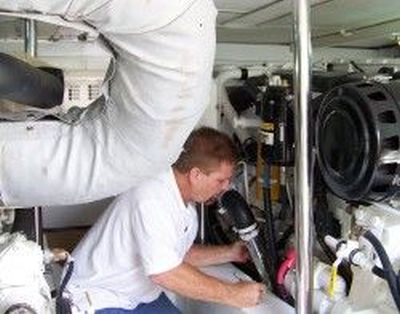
356	142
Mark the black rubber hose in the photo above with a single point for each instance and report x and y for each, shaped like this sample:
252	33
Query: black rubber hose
280	244
243	218
357	67
63	305
378	272
390	275
270	237
24	84
398	281
238	209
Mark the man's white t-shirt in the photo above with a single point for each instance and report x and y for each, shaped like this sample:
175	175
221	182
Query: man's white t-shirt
147	230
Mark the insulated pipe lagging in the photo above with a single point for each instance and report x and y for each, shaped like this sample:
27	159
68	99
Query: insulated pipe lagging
24	84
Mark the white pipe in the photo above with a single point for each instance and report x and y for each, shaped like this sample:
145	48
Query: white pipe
245	179
331	242
37	221
239	122
202	224
322	302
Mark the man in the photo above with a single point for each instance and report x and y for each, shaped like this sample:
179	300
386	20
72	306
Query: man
143	243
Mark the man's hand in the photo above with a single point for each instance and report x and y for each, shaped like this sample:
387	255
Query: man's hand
190	282
239	252
247	294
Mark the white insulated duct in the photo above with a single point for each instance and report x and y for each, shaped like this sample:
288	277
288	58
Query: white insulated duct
158	91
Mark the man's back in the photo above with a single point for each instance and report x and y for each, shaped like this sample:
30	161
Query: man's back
135	237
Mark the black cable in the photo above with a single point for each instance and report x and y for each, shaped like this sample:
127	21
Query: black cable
378	272
63	305
280	244
357	67
398	281
270	232
285	295
387	267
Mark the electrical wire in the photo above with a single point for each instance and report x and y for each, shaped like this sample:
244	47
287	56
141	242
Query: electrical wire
390	275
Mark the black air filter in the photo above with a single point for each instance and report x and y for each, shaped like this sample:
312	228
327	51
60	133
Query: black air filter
358	140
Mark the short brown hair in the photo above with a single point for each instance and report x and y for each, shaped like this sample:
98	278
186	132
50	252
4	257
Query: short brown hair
206	148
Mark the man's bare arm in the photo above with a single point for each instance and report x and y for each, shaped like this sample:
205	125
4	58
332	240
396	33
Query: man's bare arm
188	281
206	255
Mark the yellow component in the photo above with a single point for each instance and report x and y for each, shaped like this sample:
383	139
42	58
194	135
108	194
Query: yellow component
265	129
333	278
267	126
275	183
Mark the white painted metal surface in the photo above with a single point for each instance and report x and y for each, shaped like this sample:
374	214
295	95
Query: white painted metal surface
270	303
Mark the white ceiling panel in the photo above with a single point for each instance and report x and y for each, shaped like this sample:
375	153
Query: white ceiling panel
241	6
254	36
355	13
264	14
267	13
350	23
225	16
377	35
339	23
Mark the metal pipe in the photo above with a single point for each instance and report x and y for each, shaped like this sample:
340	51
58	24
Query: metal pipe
202	224
303	178
37	216
245	180
30	47
30	40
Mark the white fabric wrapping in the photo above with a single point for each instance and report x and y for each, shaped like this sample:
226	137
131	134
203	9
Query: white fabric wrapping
159	89
21	274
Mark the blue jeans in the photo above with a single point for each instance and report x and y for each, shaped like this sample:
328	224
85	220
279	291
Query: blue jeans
162	305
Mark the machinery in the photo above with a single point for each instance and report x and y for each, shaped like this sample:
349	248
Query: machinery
356	138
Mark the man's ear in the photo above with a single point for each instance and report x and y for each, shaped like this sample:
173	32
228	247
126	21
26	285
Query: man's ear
195	174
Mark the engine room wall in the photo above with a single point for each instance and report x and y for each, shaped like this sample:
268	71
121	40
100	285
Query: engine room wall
70	55
228	54
72	216
90	55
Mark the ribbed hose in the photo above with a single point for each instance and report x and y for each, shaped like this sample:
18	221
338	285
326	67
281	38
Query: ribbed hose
243	219
25	84
387	267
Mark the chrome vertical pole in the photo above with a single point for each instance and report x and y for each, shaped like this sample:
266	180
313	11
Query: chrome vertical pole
37	214
30	46
30	40
303	177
